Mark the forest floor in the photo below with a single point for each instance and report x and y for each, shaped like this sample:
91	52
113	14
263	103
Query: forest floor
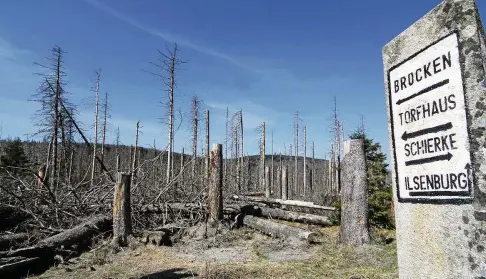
240	253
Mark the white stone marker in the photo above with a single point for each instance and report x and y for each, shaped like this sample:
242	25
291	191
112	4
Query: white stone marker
434	72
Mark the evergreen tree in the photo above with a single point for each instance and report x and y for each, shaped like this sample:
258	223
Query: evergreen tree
13	159
380	194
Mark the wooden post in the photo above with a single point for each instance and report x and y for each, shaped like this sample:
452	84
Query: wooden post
285	183
268	191
122	219
215	195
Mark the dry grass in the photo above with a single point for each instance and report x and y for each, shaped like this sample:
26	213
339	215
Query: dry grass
327	260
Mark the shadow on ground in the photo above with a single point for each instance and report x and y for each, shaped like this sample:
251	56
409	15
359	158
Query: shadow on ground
173	273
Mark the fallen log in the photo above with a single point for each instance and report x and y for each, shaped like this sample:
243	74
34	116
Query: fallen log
295	216
11	217
283	202
83	231
28	252
278	230
9	241
18	266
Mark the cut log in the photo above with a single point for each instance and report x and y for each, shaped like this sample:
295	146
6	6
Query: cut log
283	202
9	241
83	231
278	230
295	216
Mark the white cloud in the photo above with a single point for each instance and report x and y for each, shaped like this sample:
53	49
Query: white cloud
167	36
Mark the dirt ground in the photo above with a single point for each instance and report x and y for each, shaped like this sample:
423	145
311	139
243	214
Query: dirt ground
240	253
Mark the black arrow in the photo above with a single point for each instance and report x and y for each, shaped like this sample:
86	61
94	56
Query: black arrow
423	91
435	129
432	159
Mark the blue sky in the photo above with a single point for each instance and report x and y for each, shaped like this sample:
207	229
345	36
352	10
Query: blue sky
269	58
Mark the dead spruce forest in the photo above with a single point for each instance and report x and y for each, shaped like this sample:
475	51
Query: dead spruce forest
70	192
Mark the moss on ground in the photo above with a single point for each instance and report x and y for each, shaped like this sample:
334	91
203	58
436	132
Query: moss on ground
327	260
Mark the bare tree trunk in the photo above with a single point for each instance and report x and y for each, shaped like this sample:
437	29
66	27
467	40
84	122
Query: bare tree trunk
170	67
313	180
70	175
225	160
135	153
267	182
95	143
241	160
181	175
105	116
118	167
195	119
272	181
55	135
207	146
263	186
305	162
215	194
296	146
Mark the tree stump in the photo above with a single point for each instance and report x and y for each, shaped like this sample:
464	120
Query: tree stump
354	195
122	219
215	194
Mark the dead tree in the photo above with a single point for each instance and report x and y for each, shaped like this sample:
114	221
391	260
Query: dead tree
195	120
167	66
135	152
242	151
225	161
285	183
181	171
262	181
105	119
268	191
272	182
122	218
215	194
296	145
207	146
305	161
313	170
49	117
95	136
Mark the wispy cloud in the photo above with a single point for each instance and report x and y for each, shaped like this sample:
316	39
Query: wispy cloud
169	37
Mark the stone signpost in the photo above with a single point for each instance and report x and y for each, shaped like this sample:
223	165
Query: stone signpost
434	76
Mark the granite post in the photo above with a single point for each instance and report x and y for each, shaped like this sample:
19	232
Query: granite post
435	95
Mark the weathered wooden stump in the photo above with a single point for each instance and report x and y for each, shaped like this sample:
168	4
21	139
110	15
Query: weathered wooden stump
122	219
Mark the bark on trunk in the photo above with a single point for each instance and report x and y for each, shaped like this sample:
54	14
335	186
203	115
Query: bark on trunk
215	195
122	219
354	199
295	216
283	202
279	230
80	232
10	241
